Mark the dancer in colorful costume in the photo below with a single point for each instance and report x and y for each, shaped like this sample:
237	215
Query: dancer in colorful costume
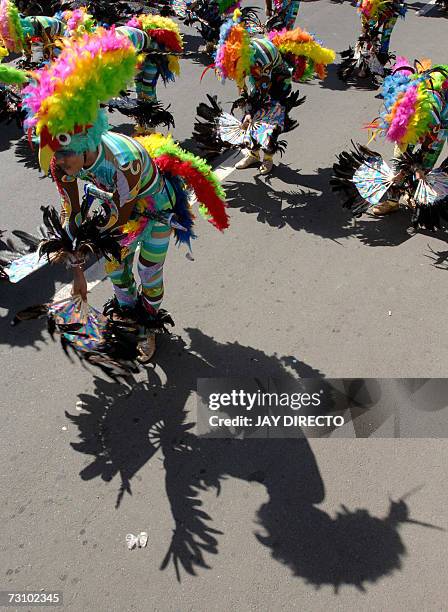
415	119
159	40
21	34
282	13
142	182
371	52
209	15
263	70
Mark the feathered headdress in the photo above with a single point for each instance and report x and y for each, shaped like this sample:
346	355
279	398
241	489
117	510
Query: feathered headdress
370	10
234	55
378	10
12	34
170	158
413	101
165	33
63	100
78	21
163	30
302	50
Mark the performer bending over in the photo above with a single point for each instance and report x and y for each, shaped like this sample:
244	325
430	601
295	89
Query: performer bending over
142	182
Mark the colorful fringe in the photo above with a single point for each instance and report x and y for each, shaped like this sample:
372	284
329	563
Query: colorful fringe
171	159
89	70
234	55
299	44
11	32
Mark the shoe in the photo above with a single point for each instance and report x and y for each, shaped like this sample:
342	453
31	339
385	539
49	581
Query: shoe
141	130
146	349
385	208
248	160
119	314
266	166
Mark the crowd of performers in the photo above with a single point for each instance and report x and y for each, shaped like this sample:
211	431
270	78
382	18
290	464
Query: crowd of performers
126	198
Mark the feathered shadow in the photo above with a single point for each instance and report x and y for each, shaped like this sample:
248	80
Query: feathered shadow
310	206
27	155
123	432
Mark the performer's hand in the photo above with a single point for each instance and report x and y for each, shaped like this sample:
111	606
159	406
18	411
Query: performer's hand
246	121
420	174
79	283
399	177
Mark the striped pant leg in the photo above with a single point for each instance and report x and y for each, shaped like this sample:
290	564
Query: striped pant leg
291	14
153	250
146	82
386	34
122	278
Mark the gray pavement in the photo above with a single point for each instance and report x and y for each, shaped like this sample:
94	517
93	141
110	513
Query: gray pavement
236	525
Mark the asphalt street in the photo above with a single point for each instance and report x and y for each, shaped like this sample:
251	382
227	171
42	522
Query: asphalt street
293	288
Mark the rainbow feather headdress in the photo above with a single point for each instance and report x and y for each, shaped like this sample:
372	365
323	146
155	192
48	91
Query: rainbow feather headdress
166	34
78	21
163	30
12	34
375	11
413	101
170	158
301	49
370	10
63	100
234	54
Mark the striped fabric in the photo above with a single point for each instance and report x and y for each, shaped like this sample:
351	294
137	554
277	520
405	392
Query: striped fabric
137	37
123	158
288	10
51	25
153	249
266	53
146	81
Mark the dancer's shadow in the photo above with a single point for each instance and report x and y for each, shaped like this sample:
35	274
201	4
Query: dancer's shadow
123	433
311	206
9	132
305	203
39	288
434	12
28	155
192	43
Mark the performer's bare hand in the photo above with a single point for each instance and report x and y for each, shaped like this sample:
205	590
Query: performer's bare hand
246	121
420	174
399	177
79	283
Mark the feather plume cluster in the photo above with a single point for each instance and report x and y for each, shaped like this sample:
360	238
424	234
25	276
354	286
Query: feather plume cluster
170	158
12	35
309	56
90	70
413	101
234	55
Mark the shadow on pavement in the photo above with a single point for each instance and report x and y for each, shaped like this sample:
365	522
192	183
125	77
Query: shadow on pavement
309	205
27	155
123	434
37	289
9	132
